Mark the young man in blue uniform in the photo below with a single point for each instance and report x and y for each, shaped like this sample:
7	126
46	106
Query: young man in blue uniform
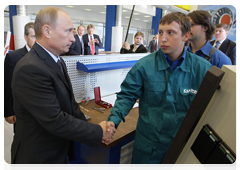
166	82
202	30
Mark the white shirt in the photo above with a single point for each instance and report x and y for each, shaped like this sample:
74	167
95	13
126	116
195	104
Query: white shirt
28	48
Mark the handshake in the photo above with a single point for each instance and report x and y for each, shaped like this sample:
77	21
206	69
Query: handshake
108	131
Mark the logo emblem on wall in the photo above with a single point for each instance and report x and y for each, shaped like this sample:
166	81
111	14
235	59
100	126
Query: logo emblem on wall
223	15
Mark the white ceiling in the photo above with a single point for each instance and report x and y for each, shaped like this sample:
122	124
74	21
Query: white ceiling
100	9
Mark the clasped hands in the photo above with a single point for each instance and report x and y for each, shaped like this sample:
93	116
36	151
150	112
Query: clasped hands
108	131
93	41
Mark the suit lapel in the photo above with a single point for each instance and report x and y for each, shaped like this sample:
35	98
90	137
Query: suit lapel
224	46
24	51
50	62
66	74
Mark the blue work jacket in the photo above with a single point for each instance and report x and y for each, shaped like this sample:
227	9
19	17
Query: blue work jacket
165	97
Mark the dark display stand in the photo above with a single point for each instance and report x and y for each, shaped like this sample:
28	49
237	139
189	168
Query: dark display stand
208	87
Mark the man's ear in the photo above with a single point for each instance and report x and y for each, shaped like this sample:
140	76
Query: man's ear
205	28
46	29
25	37
186	36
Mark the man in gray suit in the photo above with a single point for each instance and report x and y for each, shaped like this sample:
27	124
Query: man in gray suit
48	117
154	45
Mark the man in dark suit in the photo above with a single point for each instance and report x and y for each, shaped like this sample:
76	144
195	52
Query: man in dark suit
154	45
48	117
91	41
77	47
9	64
225	45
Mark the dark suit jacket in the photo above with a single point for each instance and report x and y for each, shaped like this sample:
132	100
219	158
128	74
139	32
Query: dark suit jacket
151	47
48	117
228	47
140	49
87	50
76	47
9	64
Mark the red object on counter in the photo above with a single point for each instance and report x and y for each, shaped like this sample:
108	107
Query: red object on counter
98	98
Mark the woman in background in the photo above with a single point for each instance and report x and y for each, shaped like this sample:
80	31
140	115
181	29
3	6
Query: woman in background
137	47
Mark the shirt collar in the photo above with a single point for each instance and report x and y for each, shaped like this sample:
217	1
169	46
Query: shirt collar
53	56
28	48
221	41
205	49
162	64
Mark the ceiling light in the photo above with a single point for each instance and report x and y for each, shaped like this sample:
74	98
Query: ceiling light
124	10
136	19
146	16
88	9
145	20
126	17
70	6
135	13
103	12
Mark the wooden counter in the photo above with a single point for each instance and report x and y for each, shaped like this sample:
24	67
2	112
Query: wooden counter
124	130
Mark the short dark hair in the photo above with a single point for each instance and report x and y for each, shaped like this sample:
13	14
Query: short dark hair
27	27
203	18
178	17
223	25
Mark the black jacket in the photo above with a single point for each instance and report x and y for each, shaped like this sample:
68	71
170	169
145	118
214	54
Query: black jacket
140	49
228	47
9	64
76	47
48	117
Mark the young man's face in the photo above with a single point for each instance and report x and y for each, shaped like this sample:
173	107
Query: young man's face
171	39
197	31
220	34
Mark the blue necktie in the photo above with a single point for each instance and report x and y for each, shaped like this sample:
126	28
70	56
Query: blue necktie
217	44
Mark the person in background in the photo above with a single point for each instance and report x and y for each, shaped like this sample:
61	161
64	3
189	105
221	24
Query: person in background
165	82
137	47
154	45
202	30
9	64
225	45
74	32
48	117
91	41
77	47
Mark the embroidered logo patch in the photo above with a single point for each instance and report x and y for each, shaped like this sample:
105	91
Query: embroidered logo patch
186	91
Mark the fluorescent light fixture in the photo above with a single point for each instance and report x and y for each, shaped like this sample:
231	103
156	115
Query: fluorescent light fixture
103	12
146	16
135	13
88	9
70	6
124	10
126	17
136	19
